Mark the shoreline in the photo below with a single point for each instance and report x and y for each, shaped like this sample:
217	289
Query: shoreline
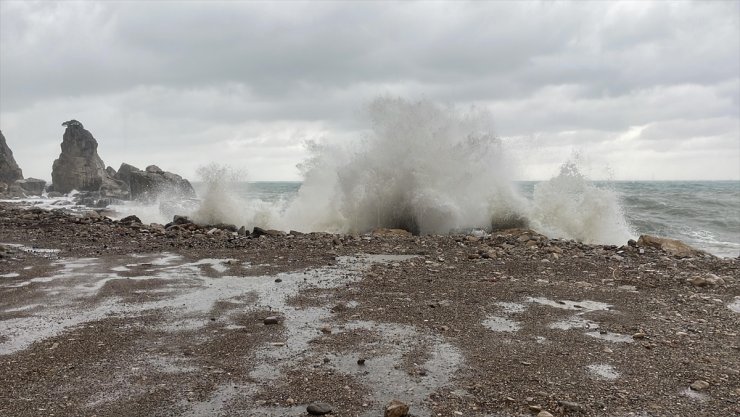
128	319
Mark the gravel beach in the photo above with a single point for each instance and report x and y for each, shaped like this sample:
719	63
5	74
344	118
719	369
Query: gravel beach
116	318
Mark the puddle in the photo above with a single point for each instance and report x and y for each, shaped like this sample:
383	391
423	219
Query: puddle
500	324
44	253
603	371
585	305
694	395
611	337
511	308
574	322
383	373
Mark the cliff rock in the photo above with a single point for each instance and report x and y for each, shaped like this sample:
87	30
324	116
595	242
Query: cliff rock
9	170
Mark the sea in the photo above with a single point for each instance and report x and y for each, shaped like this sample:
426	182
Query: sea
704	214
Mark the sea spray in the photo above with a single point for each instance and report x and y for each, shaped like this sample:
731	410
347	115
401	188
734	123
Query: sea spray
570	206
221	202
424	167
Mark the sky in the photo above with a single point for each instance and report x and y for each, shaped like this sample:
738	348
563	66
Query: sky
639	90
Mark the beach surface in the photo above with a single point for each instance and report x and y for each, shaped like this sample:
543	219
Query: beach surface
108	318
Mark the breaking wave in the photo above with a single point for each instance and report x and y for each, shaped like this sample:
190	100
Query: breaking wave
424	167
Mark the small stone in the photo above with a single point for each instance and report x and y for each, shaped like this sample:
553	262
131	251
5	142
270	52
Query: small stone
326	329
544	413
319	409
396	409
699	385
271	320
535	408
278	280
570	406
638	336
361	361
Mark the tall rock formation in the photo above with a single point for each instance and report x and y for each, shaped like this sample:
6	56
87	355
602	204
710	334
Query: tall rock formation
79	166
9	170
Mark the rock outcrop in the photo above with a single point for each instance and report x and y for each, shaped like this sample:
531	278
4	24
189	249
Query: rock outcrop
31	186
9	169
671	246
79	166
153	182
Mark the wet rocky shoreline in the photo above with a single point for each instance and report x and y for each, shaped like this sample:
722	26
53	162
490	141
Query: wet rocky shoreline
103	317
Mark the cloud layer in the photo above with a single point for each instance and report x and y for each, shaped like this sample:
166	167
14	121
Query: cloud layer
643	90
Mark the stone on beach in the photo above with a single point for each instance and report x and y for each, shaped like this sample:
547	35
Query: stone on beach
396	409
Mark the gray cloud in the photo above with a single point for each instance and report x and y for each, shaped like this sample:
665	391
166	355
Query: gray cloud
179	82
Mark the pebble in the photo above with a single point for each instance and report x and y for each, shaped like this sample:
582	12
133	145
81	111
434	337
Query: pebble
319	409
699	385
326	329
638	336
361	362
278	280
271	320
396	409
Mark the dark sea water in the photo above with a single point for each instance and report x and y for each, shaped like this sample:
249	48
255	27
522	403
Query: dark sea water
704	214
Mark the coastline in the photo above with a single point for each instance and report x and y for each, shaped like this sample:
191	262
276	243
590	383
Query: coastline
171	322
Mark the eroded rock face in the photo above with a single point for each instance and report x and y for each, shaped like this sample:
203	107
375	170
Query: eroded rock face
9	169
79	166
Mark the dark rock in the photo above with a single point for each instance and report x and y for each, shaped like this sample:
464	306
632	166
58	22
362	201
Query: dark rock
111	172
224	226
32	186
79	166
130	219
9	169
632	243
258	231
124	172
319	409
271	320
152	183
181	220
361	361
242	231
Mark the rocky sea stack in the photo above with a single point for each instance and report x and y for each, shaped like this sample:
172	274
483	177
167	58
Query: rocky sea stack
79	166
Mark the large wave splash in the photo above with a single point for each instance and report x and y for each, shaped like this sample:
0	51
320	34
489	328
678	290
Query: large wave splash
570	206
222	202
423	167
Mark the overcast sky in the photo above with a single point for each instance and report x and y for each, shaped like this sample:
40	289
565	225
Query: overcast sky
642	90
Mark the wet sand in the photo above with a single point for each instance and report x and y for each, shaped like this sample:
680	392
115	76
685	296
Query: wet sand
99	318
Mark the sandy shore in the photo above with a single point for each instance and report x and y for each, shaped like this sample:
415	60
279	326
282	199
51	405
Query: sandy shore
100	318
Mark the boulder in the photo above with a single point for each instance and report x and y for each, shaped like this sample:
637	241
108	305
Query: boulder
9	170
671	246
79	166
32	186
153	182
